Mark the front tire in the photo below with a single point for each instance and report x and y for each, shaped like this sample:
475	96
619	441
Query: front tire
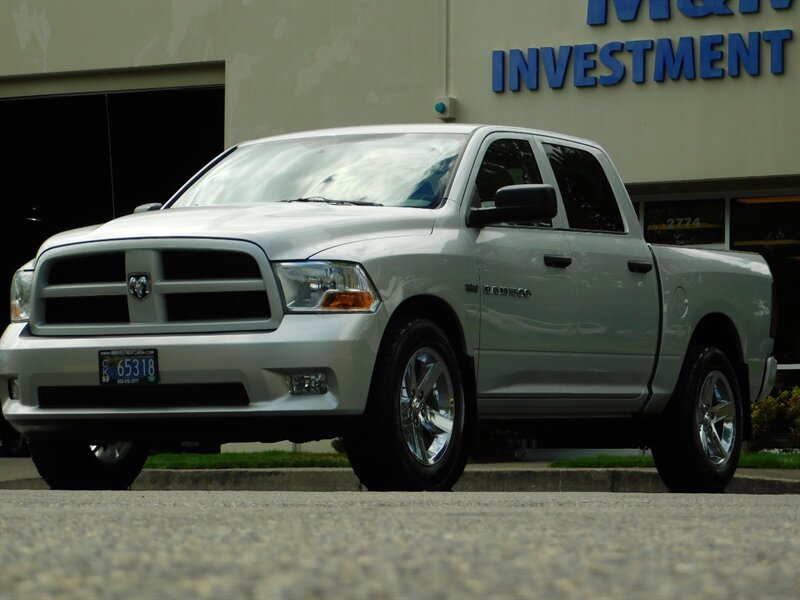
699	437
415	429
80	465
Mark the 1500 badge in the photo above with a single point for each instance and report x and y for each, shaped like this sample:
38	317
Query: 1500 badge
499	290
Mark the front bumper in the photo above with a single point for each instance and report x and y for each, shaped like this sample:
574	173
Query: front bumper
343	345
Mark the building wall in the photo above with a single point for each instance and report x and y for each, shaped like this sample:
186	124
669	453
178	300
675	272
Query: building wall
293	65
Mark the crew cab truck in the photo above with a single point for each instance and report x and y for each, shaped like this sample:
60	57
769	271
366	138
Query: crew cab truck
403	287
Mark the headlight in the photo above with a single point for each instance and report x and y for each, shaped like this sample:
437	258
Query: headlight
322	286
21	286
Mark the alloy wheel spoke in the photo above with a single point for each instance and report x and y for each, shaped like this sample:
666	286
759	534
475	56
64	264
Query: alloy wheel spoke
430	378
420	449
410	380
715	443
723	411
439	423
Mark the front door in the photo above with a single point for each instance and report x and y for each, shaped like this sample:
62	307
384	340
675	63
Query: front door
528	306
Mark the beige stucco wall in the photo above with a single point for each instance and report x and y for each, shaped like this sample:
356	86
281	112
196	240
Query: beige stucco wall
316	63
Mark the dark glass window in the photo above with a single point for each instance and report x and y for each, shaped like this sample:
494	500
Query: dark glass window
507	162
685	223
588	198
771	227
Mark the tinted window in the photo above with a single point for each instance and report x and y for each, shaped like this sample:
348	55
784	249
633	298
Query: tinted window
506	162
588	198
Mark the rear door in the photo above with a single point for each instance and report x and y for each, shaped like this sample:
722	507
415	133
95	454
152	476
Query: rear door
616	282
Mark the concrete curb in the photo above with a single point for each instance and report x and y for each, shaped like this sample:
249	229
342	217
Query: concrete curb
482	480
477	478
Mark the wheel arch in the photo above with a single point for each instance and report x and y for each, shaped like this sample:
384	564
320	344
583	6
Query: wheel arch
434	308
717	329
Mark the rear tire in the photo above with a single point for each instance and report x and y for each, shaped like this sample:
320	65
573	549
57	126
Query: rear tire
699	436
415	430
80	465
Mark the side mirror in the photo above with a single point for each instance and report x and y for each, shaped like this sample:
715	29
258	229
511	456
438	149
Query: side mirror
517	204
148	207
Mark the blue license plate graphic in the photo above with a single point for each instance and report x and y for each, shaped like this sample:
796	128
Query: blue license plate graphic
128	367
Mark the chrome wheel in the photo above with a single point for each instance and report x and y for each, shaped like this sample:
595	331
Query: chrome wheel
427	406
716	418
111	453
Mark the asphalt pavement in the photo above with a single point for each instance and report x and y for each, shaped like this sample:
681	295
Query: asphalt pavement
20	473
347	545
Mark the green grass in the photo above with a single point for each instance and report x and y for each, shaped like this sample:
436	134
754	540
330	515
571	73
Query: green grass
275	459
271	459
751	460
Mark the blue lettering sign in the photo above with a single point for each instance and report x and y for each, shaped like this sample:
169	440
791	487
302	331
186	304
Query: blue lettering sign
608	59
705	56
776	41
628	10
556	68
498	71
754	6
706	8
639	50
528	69
710	55
674	63
744	55
582	64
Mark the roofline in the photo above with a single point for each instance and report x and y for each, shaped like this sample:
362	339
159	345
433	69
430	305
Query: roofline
463	128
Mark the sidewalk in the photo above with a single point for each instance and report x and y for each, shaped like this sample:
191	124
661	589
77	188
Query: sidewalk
19	473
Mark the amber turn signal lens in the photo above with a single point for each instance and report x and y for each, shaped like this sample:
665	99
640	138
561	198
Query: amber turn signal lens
347	300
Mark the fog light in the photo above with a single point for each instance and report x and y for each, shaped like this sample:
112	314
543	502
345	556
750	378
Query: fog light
313	382
13	388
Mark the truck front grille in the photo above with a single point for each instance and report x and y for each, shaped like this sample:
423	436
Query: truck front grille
92	290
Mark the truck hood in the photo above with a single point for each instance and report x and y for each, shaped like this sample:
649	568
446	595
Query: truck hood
290	231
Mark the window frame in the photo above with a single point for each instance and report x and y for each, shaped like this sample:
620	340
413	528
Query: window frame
612	177
559	222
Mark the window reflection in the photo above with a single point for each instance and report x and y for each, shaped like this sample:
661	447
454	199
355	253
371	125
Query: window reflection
391	170
685	222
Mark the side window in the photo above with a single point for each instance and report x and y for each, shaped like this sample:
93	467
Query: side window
506	162
588	198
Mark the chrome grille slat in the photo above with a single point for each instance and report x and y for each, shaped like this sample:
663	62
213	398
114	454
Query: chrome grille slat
85	289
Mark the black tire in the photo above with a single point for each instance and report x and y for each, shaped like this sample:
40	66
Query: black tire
698	438
403	444
79	465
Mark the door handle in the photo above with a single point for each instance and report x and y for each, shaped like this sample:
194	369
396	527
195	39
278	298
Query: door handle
560	262
639	266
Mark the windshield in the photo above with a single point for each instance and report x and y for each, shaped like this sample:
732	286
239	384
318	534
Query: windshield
406	169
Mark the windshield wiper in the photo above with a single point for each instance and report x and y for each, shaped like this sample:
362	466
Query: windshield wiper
330	201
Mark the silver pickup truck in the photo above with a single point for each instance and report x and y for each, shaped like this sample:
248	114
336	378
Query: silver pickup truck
400	287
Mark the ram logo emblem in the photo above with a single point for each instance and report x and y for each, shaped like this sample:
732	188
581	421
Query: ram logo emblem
139	285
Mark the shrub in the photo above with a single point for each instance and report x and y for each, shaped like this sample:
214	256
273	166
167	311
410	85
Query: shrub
776	421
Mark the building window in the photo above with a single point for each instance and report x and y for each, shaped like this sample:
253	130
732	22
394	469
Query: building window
771	227
685	223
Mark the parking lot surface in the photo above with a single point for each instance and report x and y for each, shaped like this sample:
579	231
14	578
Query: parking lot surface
191	544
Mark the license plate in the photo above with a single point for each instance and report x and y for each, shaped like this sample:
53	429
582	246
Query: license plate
128	367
